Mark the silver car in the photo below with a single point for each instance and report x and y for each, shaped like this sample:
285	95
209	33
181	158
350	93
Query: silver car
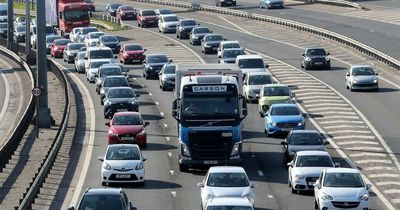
167	23
210	43
167	76
80	62
360	77
71	51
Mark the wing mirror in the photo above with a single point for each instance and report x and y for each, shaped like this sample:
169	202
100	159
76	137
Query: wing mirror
290	164
107	124
101	158
369	186
326	142
303	55
170	61
293	95
317	185
337	165
146	124
253	185
327	53
115	56
347	74
376	73
201	184
283	143
266	66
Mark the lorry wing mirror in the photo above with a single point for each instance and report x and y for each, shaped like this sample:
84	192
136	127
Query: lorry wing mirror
175	109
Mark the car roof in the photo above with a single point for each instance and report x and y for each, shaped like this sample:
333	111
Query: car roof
156	54
103	191
169	15
230	42
76	43
341	170
311	152
236	201
186	19
127	113
249	57
284	105
100	60
213	35
305	131
200	27
123	145
360	65
226	169
275	85
97	48
118	76
314	48
258	73
95	32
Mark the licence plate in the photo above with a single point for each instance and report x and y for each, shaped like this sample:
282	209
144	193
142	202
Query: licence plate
318	63
122	110
123	176
135	60
127	138
210	162
151	21
286	129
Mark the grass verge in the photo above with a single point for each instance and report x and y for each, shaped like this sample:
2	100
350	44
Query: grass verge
116	27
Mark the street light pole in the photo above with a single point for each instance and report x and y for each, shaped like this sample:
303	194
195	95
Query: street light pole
10	22
27	29
43	114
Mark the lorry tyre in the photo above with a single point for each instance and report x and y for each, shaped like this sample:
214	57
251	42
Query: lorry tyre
183	168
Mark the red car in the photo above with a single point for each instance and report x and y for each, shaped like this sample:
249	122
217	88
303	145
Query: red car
132	53
58	46
126	13
147	17
90	5
127	127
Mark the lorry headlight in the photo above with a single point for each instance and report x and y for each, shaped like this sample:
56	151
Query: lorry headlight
185	150
235	149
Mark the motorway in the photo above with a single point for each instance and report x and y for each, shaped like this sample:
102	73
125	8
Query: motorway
174	190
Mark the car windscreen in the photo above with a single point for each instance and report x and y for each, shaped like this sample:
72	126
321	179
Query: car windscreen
363	71
133	47
251	63
305	139
52	38
81	55
109	71
88	30
157	59
62	42
227	180
188	23
120	93
201	30
231	45
344	180
49	30
3	25
97	64
127	120
127	8
213	38
313	161
169	69
316	52
98	54
95	35
259	79
101	201
232	53
285	111
108	39
276	91
76	15
229	207
115	82
148	13
114	6
20	29
171	19
76	46
165	11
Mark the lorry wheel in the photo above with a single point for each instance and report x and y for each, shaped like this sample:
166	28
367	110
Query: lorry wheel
183	168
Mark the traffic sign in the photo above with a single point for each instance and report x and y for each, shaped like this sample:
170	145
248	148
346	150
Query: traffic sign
36	91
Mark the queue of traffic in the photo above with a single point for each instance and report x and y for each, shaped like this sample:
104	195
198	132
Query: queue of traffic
210	106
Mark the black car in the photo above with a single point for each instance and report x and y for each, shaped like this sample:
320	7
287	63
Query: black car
314	58
152	65
184	27
301	140
111	9
105	71
3	30
104	198
110	82
197	34
210	43
120	99
225	3
110	41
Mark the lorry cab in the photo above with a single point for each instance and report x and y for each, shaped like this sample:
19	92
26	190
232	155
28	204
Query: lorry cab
251	63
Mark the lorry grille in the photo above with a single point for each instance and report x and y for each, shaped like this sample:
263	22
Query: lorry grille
210	146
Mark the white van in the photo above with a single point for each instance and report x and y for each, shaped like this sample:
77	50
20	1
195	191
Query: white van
251	63
97	53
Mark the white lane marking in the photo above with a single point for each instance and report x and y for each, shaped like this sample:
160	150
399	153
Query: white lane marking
325	100
157	103
397	200
387	183
345	126
392	191
312	86
366	154
303	83
324	104
165	125
169	154
90	140
7	92
330	118
354	137
373	161
173	194
358	148
270	196
379	168
310	93
350	131
341	153
167	138
342	121
162	114
299	80
316	91
357	142
150	94
380	175
329	108
260	173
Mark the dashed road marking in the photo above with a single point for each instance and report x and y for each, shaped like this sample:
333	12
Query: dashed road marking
167	138
329	108
162	114
328	119
165	125
171	172
270	196
345	126
387	183
392	191
169	154
150	94
157	103
342	121
358	148
325	104
173	194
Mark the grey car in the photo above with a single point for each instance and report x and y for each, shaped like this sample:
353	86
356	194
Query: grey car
153	63
361	77
210	43
105	71
167	76
184	27
79	62
301	140
19	33
229	55
197	34
71	51
109	82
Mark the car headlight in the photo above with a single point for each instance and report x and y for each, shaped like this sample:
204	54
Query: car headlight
248	196
185	150
102	91
235	149
195	37
142	133
299	176
108	103
375	81
210	196
301	123
150	67
308	59
133	102
139	166
327	58
326	197
364	197
355	81
118	45
106	166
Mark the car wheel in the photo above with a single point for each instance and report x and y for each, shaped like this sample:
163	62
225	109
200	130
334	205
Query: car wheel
138	24
301	65
293	191
103	183
351	88
266	132
347	86
183	168
289	183
261	114
163	88
101	102
315	204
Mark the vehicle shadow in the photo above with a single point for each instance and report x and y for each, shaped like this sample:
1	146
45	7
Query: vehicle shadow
151	117
145	103
150	184
158	147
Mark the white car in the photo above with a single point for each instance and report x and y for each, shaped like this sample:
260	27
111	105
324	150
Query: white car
227	45
122	163
95	53
226	181
167	23
74	34
253	83
92	38
341	188
251	63
360	77
229	203
79	62
93	69
305	169
83	32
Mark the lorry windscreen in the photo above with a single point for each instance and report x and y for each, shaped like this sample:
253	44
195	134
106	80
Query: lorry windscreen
209	105
76	15
251	63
